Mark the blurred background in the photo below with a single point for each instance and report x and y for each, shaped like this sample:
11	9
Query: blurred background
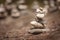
16	15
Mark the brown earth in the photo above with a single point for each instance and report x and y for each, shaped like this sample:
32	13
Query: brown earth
17	29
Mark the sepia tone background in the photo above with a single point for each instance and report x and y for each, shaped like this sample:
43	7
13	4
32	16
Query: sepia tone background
17	28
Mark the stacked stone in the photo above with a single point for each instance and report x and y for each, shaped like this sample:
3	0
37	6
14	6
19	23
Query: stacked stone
15	12
58	2
12	9
39	24
23	8
53	5
4	8
9	8
35	5
46	3
3	12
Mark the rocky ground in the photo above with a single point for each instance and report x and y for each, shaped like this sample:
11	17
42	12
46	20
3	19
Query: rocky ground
17	28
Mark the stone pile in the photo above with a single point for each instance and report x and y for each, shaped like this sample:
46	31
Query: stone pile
9	8
39	24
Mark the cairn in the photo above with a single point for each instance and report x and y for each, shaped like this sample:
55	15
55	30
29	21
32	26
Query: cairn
23	8
3	12
39	25
35	5
15	12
